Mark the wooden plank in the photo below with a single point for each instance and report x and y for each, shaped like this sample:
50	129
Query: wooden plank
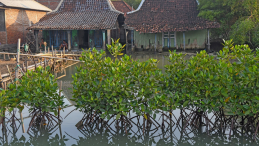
41	56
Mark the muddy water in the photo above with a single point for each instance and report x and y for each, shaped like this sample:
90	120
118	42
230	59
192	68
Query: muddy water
68	134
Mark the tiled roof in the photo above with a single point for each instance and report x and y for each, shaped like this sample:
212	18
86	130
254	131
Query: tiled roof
154	16
122	6
52	4
24	4
80	14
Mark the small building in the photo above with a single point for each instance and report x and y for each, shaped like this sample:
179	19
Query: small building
81	23
169	23
15	17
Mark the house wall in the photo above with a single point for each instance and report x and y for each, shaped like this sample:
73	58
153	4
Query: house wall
193	39
17	21
3	38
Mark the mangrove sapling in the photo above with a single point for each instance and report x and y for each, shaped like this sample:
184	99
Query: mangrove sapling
10	102
2	107
39	91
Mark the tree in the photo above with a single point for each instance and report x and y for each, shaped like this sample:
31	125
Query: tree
238	18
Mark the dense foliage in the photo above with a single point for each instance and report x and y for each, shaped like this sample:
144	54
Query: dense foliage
114	87
110	87
37	89
211	83
238	18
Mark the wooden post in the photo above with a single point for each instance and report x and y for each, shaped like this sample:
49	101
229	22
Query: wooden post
4	57
37	40
48	49
104	47
109	36
23	128
60	88
126	36
44	63
17	59
184	40
155	42
54	62
69	40
52	50
175	40
132	39
45	50
208	40
26	66
163	39
23	68
1	79
168	40
64	51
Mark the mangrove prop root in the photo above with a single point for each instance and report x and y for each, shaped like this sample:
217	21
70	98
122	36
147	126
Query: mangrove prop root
40	119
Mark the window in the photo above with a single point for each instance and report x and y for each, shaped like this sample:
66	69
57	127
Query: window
2	20
169	39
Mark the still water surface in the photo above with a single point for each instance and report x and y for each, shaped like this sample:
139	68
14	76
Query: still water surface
68	134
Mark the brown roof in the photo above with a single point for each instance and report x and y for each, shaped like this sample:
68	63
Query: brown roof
122	6
80	14
52	4
167	15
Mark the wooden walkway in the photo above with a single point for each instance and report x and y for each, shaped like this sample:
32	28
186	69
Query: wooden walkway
57	62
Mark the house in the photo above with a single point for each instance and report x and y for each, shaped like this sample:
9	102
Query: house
169	24
15	17
81	23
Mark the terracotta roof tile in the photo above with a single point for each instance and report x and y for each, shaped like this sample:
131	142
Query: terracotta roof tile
167	15
80	14
122	6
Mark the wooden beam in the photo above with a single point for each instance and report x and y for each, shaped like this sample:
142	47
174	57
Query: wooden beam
42	56
132	40
104	47
69	39
37	40
184	40
109	36
208	40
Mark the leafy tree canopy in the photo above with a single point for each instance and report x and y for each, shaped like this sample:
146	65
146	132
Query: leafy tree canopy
238	18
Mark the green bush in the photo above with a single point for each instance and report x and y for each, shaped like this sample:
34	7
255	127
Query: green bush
114	87
37	89
210	83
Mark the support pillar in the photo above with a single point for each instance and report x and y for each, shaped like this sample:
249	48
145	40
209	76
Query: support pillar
132	39
69	40
175	43
104	47
168	40
208	40
126	36
155	42
109	36
184	40
36	32
163	39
